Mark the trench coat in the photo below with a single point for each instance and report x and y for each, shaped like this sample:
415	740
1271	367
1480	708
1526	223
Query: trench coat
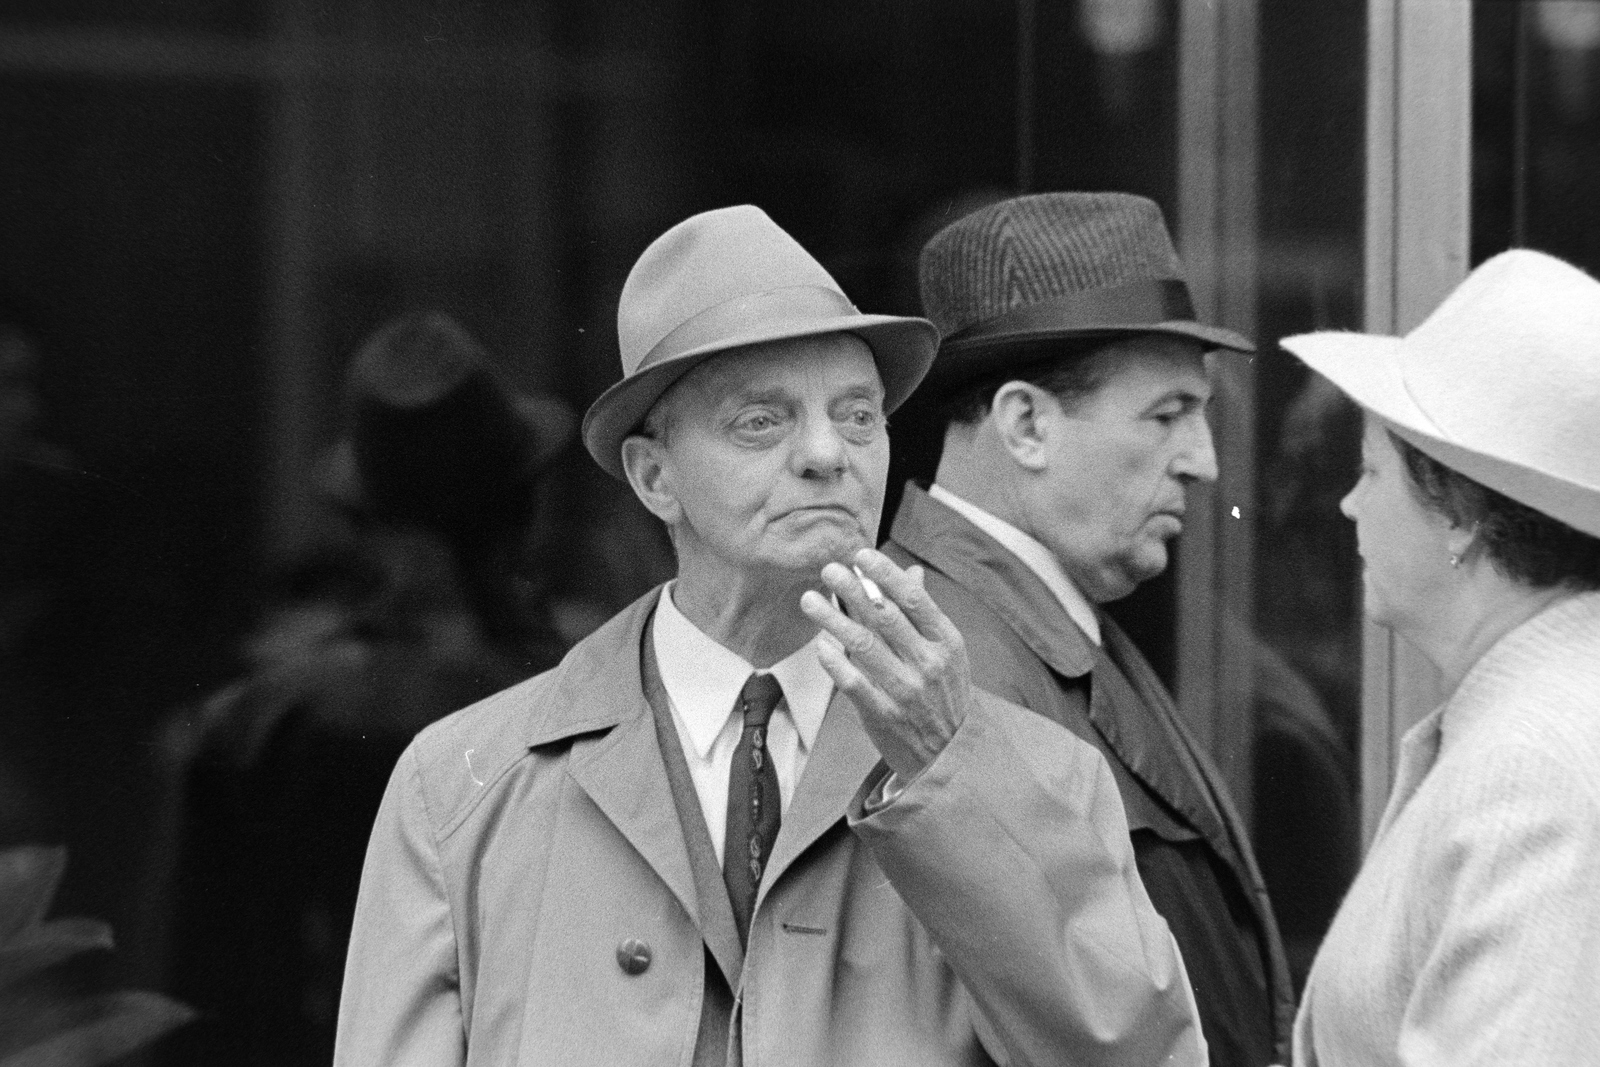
1192	849
528	898
1472	934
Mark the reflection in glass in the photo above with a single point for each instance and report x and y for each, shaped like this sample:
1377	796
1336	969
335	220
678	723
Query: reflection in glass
1305	659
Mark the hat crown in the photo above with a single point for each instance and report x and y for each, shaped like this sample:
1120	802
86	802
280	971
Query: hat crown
1035	248
705	261
1509	364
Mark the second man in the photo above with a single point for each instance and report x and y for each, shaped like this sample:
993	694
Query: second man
1072	386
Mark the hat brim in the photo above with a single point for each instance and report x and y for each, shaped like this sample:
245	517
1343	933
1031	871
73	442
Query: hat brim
1367	369
962	360
902	348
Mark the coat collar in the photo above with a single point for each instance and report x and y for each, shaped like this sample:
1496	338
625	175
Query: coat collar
974	560
1127	703
600	690
597	685
1132	710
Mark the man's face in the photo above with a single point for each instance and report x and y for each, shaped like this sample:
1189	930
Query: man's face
775	457
1112	491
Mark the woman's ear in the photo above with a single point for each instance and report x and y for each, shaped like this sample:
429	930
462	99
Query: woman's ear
1462	543
1021	414
646	463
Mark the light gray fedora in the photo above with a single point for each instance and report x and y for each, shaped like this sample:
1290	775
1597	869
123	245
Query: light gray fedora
724	279
1500	383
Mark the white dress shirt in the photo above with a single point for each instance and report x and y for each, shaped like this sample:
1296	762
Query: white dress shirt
1039	559
703	679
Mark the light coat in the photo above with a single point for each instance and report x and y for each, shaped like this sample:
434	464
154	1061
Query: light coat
991	913
1472	934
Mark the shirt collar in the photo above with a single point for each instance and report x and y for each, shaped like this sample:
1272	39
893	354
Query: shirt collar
1034	555
703	679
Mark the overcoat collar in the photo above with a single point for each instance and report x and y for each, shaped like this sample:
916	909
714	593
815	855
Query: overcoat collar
1125	704
1131	708
598	702
974	560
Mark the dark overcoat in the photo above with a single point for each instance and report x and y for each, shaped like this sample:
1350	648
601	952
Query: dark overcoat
1192	849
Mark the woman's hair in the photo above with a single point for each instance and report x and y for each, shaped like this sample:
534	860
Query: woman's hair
1525	545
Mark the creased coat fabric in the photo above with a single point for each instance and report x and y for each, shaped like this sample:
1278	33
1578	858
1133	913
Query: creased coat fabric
1192	850
990	914
1472	934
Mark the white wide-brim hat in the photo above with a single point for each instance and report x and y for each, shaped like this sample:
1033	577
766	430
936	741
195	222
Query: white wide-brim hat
725	279
1500	383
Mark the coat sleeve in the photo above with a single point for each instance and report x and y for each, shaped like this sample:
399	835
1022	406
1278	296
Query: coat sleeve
401	1003
1512	973
1012	849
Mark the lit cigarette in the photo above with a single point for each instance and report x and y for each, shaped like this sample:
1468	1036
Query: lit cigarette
870	587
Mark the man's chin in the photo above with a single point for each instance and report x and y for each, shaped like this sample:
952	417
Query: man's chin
814	553
1128	573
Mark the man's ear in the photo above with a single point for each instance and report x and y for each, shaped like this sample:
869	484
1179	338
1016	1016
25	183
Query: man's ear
648	467
1021	420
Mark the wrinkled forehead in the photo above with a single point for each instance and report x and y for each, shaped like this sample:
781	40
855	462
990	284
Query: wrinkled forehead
832	362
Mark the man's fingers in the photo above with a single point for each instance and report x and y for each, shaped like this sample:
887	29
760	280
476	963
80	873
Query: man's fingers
845	674
882	616
864	645
905	589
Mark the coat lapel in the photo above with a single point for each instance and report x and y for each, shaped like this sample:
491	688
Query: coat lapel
1123	710
835	769
1132	711
716	922
972	559
622	769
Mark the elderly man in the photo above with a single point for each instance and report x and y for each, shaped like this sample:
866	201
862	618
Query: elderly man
680	846
1072	378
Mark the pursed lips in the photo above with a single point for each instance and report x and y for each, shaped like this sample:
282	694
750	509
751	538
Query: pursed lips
823	512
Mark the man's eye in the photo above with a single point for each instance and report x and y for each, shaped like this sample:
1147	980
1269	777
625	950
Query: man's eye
862	420
758	422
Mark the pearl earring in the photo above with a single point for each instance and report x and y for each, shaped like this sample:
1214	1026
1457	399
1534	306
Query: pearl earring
1455	560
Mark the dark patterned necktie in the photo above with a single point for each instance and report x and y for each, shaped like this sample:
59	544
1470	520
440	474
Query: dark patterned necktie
754	805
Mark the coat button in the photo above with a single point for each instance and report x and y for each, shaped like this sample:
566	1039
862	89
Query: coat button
633	956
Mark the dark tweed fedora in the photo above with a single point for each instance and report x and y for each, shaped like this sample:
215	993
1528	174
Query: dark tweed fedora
1023	272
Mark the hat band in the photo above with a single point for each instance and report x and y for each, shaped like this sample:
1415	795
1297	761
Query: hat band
1147	302
744	318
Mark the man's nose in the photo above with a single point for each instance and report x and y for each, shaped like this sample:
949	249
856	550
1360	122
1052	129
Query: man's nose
820	449
1197	458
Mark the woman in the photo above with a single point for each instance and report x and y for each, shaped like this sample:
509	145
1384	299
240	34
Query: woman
1472	933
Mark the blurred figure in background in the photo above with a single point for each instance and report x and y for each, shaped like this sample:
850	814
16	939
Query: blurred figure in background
280	774
57	1007
38	510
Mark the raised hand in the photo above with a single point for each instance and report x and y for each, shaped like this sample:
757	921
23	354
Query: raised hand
899	658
